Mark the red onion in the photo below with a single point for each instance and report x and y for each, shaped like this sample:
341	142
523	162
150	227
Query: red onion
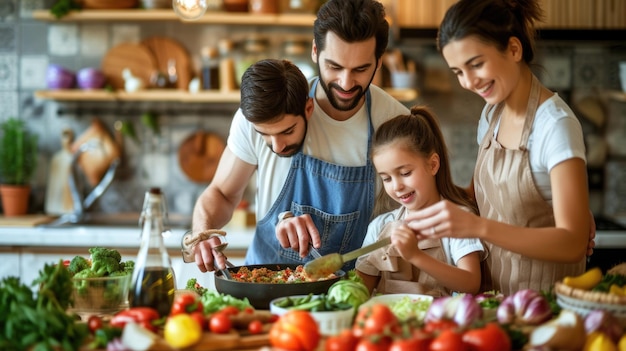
603	321
58	77
90	78
526	307
462	309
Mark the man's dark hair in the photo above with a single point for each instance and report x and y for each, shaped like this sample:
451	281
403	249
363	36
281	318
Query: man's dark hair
352	21
272	88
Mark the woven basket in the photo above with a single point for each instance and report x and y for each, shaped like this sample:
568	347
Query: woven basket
584	301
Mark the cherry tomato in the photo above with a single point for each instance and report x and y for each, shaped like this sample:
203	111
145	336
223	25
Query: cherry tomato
94	323
230	310
344	341
220	323
255	327
186	303
489	338
374	320
373	343
199	318
419	341
448	340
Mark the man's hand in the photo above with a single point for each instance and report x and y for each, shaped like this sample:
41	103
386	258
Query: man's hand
207	258
298	233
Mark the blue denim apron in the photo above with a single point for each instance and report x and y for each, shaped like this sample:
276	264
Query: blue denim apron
339	199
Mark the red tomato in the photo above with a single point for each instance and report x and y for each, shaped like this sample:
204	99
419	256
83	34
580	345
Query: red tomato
439	325
199	318
448	340
296	330
186	303
255	327
230	310
220	323
375	320
373	343
94	323
419	341
488	338
344	341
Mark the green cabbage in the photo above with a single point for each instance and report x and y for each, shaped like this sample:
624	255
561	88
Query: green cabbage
351	290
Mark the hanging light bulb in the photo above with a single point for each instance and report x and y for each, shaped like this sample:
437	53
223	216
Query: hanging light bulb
189	9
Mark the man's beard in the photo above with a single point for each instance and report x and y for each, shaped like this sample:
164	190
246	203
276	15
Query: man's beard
343	105
292	149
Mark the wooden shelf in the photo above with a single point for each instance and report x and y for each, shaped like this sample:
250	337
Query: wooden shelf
210	17
145	95
405	95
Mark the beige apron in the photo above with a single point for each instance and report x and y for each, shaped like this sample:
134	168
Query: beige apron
399	276
506	192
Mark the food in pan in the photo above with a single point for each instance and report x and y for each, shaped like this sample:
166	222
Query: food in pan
279	276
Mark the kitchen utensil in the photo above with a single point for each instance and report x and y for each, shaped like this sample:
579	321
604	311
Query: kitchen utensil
199	155
220	249
260	294
166	52
95	161
136	57
327	264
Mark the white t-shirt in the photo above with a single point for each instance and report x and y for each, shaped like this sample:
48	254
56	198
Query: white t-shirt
556	136
454	248
338	142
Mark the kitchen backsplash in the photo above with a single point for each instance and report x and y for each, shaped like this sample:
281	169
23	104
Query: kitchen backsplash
28	46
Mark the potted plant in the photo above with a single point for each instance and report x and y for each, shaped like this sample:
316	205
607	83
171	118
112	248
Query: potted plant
18	161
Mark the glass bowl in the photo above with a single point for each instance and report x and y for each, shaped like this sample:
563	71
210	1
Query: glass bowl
101	296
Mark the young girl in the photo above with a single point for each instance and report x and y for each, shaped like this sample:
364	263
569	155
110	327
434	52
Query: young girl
410	156
530	180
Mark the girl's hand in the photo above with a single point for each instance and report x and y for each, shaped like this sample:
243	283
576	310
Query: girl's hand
404	241
443	219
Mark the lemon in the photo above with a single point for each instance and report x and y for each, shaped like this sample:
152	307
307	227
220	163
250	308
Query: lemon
182	331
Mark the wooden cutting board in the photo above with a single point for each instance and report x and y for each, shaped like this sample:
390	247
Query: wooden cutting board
136	57
26	221
165	49
199	155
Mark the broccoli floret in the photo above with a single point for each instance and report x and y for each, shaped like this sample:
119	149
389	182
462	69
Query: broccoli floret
82	286
128	266
78	264
104	261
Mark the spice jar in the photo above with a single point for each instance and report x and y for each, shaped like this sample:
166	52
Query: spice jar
264	6
210	68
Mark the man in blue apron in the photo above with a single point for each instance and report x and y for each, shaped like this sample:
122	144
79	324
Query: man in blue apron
315	182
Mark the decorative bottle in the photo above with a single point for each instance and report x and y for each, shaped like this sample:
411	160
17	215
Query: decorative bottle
153	283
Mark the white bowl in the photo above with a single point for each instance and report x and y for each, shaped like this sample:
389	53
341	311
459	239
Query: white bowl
393	299
329	322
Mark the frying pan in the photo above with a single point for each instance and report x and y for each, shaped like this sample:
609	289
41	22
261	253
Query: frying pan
260	294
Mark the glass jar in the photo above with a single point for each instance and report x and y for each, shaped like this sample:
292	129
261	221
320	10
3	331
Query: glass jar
251	50
210	68
264	6
298	51
299	6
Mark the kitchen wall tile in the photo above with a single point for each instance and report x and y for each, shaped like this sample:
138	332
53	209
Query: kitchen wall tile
8	38
94	40
28	6
63	39
8	72
8	105
122	33
8	10
33	72
33	38
615	191
557	73
589	68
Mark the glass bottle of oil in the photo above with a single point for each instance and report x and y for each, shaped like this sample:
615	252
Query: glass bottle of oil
153	282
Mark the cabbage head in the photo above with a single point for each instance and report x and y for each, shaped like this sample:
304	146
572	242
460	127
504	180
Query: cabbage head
350	290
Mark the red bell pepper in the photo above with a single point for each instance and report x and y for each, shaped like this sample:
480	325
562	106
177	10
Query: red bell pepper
144	316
